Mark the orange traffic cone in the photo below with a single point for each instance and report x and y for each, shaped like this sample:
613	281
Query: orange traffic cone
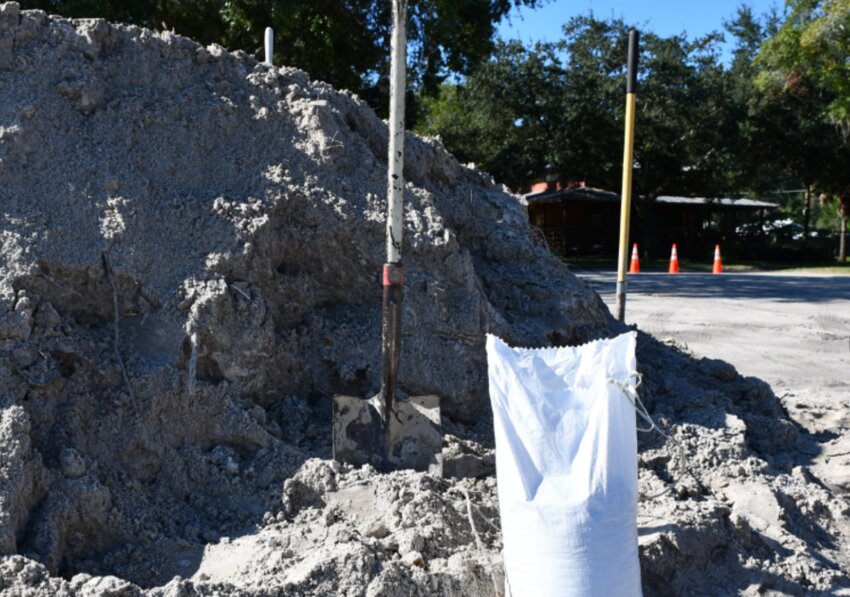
634	267
718	263
674	261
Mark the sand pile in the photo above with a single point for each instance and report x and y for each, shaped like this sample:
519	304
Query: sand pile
191	244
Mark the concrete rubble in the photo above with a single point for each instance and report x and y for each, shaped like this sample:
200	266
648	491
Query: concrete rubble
190	244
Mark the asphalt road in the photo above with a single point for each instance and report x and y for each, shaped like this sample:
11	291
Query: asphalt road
792	331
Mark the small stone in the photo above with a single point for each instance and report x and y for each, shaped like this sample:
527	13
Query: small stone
377	529
79	580
202	56
72	463
389	544
24	356
16	564
801	474
90	99
413	558
231	466
24	303
47	316
410	541
258	413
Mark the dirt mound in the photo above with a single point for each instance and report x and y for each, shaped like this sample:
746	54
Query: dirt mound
191	244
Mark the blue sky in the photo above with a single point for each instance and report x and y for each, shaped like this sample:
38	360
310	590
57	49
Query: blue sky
664	17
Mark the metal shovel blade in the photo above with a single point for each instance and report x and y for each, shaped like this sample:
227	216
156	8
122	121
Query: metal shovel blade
358	433
411	440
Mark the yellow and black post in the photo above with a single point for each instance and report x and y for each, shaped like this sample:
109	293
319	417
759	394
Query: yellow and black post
626	193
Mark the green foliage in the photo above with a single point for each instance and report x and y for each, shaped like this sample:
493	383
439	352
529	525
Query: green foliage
343	42
812	49
507	116
702	128
562	104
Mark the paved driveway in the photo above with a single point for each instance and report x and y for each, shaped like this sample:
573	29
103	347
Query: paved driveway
793	331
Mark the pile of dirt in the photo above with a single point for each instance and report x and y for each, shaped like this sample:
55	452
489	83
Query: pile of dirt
190	247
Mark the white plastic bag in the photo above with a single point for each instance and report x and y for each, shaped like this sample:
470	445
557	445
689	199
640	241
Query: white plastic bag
566	467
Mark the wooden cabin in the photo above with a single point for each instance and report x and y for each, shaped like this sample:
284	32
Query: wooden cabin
577	220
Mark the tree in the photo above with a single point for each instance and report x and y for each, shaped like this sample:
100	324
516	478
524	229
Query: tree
841	200
590	141
804	82
562	104
812	48
751	129
507	116
834	181
343	42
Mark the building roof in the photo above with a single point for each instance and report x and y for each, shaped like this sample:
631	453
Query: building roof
576	194
722	201
600	195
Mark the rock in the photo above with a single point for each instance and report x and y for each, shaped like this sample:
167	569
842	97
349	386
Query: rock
108	586
409	541
413	558
231	466
462	459
47	316
90	98
377	529
757	505
741	526
24	356
72	463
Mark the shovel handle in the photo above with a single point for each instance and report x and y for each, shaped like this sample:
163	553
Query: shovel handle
393	271
395	157
391	334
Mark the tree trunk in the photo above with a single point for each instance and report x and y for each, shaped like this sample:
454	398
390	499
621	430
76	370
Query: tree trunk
843	211
807	209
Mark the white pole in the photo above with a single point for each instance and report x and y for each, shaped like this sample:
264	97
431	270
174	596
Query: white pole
269	46
395	158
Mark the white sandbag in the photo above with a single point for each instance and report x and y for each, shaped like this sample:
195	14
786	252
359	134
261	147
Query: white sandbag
566	467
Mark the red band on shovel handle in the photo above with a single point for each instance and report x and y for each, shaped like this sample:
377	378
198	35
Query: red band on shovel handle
393	274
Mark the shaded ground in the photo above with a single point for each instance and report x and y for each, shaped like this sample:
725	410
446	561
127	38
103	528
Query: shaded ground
833	267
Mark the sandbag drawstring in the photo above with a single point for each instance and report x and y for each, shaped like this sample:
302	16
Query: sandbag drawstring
631	394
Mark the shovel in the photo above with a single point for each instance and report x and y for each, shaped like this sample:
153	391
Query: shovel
385	431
